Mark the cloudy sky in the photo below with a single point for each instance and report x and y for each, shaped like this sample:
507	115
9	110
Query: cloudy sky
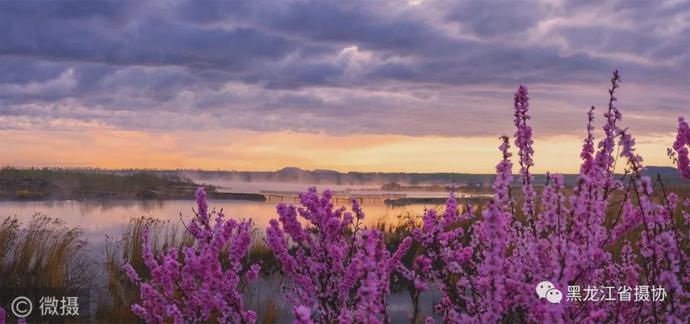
418	85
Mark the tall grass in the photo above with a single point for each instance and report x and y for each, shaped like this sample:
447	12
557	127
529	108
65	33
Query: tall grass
265	295
114	303
43	254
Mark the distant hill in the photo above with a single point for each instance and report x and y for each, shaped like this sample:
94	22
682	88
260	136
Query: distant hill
664	171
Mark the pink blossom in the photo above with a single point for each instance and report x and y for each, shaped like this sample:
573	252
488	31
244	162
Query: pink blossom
680	146
302	315
337	270
565	239
202	282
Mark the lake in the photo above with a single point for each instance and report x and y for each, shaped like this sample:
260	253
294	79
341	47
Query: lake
99	218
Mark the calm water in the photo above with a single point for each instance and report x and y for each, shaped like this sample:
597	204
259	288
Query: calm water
99	218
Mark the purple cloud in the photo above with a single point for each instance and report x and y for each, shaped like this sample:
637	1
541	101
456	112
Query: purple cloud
425	68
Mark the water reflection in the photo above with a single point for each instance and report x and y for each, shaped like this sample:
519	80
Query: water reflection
99	218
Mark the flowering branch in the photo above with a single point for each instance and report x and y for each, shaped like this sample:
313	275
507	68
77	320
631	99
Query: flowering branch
202	282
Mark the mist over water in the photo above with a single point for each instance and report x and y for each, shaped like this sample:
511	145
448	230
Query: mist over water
99	218
107	219
225	185
259	186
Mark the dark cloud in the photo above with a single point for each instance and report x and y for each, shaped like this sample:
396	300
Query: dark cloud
21	71
111	10
418	68
497	18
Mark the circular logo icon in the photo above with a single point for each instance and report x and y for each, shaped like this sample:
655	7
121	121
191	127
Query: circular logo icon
21	307
544	287
554	296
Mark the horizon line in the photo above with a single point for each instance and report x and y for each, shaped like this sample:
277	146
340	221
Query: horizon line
274	171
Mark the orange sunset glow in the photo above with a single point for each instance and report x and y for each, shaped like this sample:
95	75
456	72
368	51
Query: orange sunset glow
267	151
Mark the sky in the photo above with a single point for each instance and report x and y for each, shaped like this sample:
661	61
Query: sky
359	85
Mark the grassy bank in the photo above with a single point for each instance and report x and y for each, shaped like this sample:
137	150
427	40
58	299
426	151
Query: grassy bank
71	184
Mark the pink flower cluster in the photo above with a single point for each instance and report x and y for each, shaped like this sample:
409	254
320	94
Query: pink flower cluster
611	229
201	283
680	146
338	271
487	268
523	141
